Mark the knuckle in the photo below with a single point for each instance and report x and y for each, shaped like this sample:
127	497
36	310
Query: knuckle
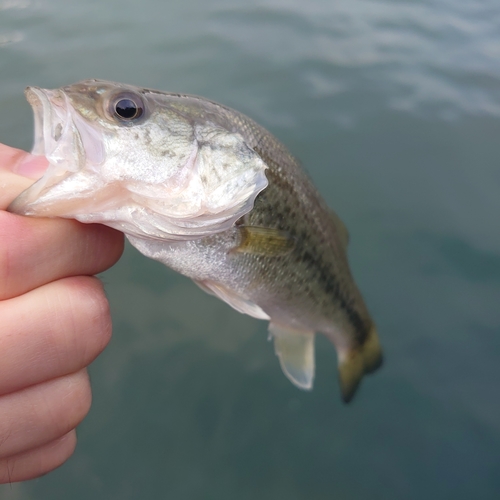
38	461
99	314
108	246
82	397
75	324
90	313
66	447
50	456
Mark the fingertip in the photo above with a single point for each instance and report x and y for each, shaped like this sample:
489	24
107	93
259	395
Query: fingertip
31	166
77	397
98	246
113	245
61	448
22	163
18	169
88	317
39	461
10	156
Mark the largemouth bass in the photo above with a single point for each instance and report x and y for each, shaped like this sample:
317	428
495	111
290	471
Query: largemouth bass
210	193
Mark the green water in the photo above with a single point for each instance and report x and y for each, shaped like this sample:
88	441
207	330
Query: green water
394	109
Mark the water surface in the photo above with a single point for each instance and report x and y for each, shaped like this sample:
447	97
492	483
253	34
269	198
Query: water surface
394	109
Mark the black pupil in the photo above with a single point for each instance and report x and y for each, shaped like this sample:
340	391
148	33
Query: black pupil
127	109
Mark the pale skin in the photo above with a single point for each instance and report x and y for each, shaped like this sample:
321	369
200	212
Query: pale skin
54	322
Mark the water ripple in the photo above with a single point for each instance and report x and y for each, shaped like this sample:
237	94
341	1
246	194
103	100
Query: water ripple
419	55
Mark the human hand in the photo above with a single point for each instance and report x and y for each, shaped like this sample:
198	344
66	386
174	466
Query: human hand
54	321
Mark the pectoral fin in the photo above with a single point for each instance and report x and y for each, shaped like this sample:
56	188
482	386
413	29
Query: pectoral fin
264	241
295	350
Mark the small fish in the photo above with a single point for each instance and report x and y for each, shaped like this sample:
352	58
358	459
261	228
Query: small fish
210	193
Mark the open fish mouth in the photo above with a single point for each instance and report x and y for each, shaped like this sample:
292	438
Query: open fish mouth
52	120
69	144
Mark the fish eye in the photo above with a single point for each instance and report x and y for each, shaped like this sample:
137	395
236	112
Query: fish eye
127	107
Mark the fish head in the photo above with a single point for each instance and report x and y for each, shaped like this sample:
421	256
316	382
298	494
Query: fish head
138	161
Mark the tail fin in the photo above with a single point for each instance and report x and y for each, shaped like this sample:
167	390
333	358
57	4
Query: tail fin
354	363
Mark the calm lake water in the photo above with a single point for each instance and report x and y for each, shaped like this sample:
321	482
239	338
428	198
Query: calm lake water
394	109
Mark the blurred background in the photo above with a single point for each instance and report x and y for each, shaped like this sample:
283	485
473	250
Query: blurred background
394	109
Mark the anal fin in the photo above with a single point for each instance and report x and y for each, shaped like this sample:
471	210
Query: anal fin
295	350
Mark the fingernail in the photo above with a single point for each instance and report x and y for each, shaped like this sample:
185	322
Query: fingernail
31	166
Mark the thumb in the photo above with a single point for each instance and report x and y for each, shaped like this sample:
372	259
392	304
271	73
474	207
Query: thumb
21	163
18	169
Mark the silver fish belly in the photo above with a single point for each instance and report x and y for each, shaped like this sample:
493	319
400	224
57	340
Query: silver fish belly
208	192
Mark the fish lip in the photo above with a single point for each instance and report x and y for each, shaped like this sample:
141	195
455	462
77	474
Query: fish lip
68	143
38	101
51	122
